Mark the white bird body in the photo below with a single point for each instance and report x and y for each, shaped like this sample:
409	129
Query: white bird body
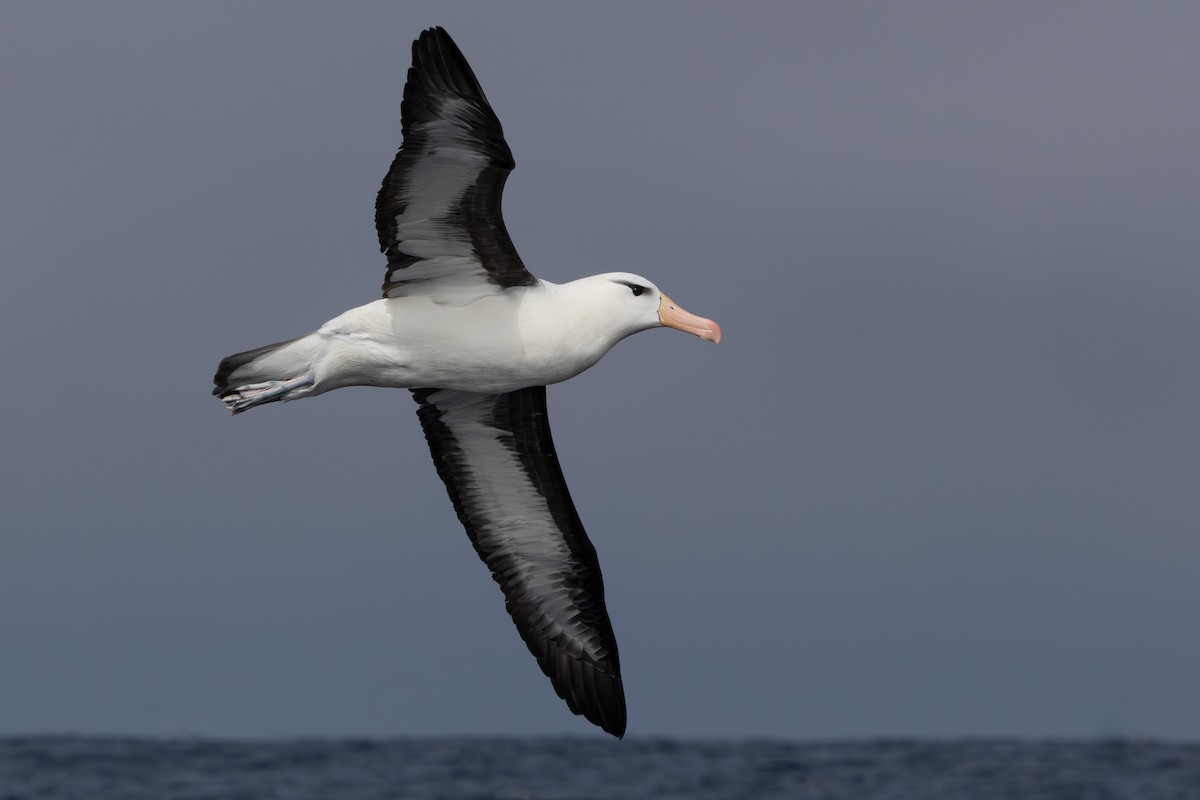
527	336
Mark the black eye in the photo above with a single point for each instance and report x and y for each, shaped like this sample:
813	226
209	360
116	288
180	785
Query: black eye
637	290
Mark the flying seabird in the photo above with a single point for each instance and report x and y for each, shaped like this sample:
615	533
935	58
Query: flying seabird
476	338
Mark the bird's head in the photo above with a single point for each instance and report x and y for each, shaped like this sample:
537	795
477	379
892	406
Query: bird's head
640	305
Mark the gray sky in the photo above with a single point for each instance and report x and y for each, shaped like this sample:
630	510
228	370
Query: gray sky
940	478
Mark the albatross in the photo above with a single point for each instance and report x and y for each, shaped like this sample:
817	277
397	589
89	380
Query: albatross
476	338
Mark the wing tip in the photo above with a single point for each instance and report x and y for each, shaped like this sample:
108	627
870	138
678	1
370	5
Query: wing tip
616	725
592	689
438	64
612	708
608	714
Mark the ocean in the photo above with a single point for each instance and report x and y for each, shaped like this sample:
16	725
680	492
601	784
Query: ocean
85	768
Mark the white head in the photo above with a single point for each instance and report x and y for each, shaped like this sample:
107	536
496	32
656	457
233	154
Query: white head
629	303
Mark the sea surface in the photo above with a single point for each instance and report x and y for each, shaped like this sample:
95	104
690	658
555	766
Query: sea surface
80	768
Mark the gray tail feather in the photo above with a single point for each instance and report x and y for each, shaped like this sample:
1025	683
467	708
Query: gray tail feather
231	364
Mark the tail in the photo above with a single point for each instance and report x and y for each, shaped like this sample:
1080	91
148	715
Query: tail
273	373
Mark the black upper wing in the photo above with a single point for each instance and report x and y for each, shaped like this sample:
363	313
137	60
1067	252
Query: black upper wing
496	457
438	211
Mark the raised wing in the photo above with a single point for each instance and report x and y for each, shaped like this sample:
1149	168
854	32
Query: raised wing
438	211
496	457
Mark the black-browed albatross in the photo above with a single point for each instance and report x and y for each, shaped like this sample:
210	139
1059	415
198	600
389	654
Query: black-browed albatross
477	337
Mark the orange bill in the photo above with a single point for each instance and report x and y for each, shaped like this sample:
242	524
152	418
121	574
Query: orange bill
673	316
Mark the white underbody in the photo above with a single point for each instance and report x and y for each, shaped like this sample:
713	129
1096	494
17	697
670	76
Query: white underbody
485	346
499	342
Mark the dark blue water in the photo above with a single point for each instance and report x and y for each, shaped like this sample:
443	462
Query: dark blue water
70	768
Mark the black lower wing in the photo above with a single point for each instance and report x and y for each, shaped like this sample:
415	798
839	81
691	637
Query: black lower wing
495	455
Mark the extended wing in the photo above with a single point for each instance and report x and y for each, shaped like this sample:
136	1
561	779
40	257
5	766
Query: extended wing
438	211
496	457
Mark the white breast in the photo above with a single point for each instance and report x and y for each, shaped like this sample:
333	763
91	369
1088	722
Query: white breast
498	343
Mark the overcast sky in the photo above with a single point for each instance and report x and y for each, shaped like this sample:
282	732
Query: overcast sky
941	477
